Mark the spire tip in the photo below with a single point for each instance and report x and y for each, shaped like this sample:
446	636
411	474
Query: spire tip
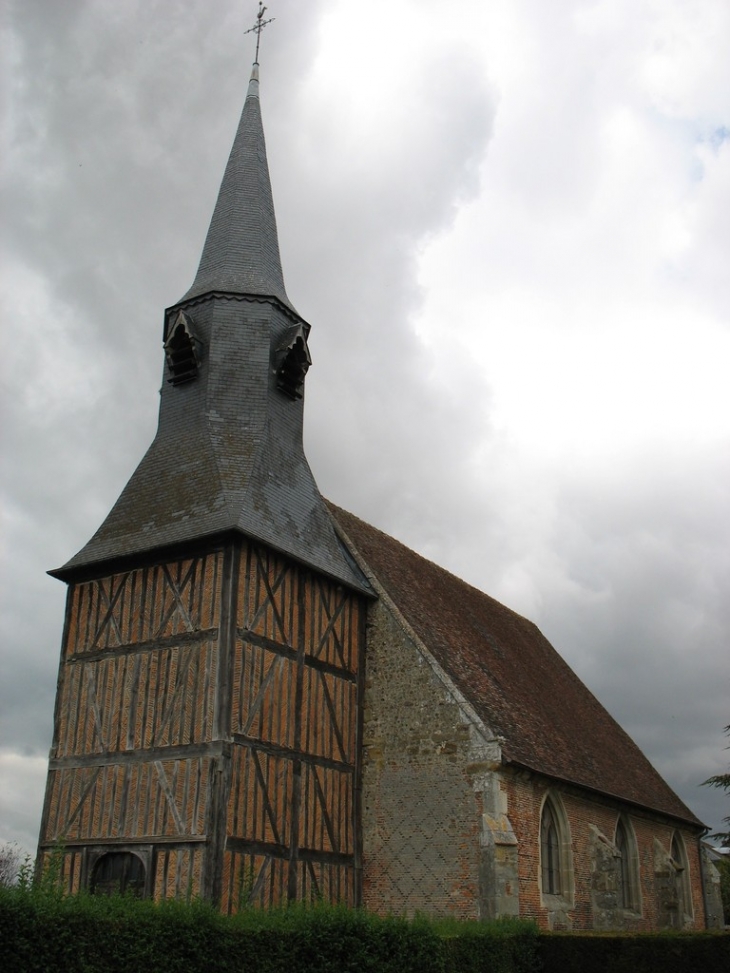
258	27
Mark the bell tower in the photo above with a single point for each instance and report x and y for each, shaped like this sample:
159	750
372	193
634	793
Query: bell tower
206	731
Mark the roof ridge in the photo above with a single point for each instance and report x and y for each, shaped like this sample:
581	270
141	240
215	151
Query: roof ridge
439	567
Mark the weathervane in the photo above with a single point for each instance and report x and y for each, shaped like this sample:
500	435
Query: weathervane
258	27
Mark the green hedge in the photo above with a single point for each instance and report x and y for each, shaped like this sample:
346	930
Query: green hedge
643	953
42	932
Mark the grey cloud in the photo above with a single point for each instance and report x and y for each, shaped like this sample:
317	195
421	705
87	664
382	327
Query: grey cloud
645	622
123	122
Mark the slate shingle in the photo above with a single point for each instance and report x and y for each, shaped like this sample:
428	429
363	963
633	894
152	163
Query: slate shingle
228	453
241	252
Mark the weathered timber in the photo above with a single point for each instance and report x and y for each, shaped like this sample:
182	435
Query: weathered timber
188	752
211	700
287	652
290	753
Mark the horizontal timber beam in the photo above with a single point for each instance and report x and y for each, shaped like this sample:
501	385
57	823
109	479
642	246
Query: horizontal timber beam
290	753
179	841
149	645
192	751
279	648
271	850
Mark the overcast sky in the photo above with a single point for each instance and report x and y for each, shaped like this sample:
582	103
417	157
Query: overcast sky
507	223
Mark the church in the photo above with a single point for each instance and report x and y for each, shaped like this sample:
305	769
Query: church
261	698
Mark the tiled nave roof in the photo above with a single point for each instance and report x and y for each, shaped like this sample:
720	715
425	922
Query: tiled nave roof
512	676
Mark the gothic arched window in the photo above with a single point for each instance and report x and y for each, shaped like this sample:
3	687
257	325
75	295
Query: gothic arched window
679	860
552	879
628	891
118	871
556	857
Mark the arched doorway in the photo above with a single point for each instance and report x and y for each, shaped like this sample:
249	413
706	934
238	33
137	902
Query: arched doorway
118	871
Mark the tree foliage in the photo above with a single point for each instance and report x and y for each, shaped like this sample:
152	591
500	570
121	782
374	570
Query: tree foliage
723	867
11	860
723	782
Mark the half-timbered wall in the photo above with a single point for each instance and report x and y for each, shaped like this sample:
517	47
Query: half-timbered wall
134	736
292	813
206	720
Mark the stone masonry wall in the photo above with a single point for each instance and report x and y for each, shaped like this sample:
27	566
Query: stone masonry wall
425	786
448	829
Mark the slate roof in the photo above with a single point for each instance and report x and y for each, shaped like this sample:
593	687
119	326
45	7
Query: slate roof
241	252
228	454
515	680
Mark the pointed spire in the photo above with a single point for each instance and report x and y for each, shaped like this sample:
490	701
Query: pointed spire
228	457
241	252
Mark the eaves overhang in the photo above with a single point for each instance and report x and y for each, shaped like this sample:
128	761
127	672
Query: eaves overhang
103	567
246	296
691	821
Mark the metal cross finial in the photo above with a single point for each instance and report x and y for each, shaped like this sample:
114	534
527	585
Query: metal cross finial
258	27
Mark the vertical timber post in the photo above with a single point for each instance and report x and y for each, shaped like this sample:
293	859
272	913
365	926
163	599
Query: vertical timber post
303	586
220	779
362	621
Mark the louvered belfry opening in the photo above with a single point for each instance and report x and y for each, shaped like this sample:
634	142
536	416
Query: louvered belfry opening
293	362
180	354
